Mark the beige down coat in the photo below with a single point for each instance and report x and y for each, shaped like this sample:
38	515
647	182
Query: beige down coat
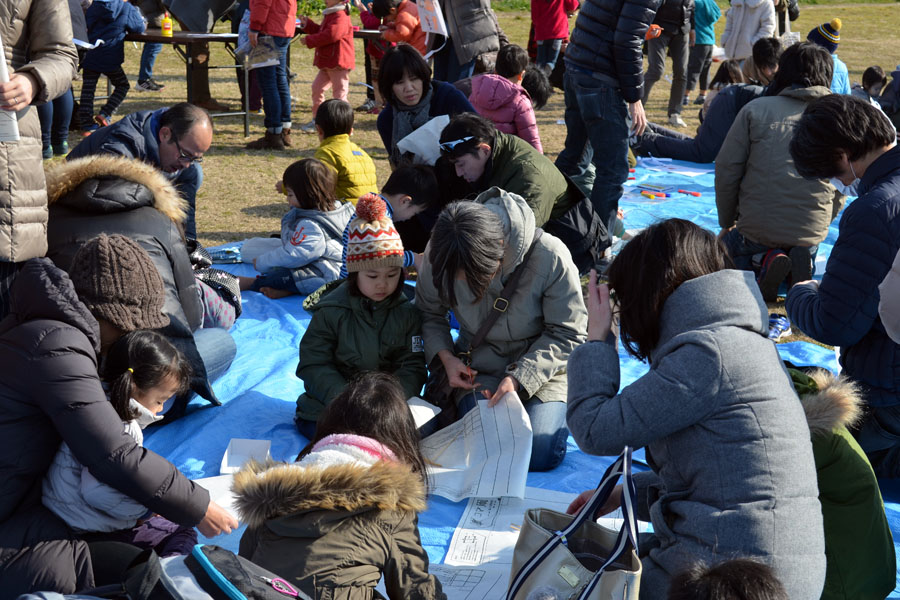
39	30
758	187
545	321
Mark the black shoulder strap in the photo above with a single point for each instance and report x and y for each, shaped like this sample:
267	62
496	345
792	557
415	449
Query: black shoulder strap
501	303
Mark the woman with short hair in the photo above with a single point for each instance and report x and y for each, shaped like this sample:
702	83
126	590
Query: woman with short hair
732	470
474	249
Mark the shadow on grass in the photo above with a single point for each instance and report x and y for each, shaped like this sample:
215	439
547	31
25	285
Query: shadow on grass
276	209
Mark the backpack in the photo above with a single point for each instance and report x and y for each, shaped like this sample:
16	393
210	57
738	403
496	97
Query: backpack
580	229
207	573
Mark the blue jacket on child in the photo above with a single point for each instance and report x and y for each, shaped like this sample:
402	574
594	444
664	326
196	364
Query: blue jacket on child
110	21
706	13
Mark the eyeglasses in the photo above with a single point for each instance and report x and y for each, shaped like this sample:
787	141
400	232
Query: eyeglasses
449	146
184	156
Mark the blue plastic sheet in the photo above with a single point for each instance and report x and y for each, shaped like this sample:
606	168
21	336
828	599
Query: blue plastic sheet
259	390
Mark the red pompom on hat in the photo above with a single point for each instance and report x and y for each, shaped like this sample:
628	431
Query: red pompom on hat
372	240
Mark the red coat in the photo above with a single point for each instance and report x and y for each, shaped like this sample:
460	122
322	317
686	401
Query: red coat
333	41
273	17
406	27
550	18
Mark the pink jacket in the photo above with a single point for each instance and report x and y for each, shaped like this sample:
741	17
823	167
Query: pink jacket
550	18
508	105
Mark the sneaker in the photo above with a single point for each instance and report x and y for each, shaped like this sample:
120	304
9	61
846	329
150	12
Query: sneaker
675	120
699	100
801	264
309	127
61	149
779	327
775	267
101	120
89	129
685	100
366	106
47	152
149	86
374	110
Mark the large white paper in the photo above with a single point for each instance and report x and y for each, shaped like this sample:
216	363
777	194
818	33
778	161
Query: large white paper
431	17
487	582
489	527
665	164
219	488
424	142
9	123
422	411
484	455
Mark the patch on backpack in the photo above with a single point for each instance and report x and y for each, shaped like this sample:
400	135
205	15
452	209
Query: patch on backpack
418	345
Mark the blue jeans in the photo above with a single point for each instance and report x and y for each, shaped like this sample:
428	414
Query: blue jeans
597	129
879	437
548	427
148	59
276	92
548	52
278	278
447	67
217	350
187	183
55	117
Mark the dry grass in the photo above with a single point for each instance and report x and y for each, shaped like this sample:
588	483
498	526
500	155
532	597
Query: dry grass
237	199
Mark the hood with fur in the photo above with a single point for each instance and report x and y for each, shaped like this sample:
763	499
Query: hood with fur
106	183
837	402
270	490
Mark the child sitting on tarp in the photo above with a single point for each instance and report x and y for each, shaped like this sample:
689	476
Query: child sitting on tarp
859	549
308	254
364	324
143	370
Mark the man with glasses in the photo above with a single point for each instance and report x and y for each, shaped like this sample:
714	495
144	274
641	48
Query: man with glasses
171	139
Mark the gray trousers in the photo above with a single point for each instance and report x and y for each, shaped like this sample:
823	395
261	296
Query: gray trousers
677	43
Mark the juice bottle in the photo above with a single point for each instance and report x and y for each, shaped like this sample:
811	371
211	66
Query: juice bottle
167	25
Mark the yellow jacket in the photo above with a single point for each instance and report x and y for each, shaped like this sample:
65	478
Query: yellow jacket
355	169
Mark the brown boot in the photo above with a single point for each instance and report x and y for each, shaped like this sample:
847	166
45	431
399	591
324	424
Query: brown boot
270	141
286	137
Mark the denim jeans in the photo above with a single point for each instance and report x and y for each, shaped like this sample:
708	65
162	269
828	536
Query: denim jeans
55	117
879	437
548	52
597	129
742	251
217	350
548	427
677	46
148	59
187	182
276	91
447	67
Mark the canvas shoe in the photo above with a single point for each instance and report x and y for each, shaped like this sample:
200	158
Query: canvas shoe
101	120
775	267
699	100
149	86
366	106
61	149
779	327
675	120
47	152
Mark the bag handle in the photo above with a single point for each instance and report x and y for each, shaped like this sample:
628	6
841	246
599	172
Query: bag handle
627	533
501	303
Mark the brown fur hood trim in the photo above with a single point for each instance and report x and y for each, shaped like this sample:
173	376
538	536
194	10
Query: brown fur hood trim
270	490
64	177
836	403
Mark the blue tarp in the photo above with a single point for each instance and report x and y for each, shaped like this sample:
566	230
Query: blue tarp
259	390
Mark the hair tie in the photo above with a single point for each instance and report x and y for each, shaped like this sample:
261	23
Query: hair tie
130	370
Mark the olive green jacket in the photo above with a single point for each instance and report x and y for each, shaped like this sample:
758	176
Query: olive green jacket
350	334
545	321
333	531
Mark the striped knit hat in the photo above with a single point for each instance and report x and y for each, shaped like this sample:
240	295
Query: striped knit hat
372	240
827	35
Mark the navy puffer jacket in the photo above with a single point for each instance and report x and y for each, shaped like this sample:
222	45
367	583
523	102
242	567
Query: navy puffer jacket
607	40
844	311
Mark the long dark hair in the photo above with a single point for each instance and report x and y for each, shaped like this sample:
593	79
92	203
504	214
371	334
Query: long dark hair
729	72
373	404
143	360
652	266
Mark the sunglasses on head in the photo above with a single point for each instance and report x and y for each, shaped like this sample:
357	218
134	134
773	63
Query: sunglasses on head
449	146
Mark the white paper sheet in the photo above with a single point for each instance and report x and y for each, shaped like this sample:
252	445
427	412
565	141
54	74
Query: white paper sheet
489	527
431	18
422	411
423	143
483	455
487	582
665	164
9	122
219	488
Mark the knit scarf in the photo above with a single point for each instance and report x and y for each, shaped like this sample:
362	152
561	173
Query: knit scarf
407	119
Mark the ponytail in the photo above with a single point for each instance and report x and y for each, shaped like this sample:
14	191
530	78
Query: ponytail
120	393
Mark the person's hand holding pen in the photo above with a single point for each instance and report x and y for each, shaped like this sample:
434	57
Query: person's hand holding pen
458	373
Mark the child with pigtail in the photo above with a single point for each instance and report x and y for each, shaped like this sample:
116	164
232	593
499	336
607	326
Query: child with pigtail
142	370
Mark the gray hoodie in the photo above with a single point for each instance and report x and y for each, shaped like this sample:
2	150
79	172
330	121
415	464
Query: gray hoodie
733	473
545	321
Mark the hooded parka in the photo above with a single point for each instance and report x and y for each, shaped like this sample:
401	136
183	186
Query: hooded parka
112	194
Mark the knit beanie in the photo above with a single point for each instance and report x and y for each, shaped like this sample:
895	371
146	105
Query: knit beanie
372	240
827	35
118	282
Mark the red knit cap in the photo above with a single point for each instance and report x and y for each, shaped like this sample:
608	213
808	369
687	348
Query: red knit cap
373	242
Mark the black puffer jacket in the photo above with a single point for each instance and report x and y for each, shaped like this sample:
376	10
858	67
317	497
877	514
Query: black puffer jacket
50	393
673	14
607	40
111	194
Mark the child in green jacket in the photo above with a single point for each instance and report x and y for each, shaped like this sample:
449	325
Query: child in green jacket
364	324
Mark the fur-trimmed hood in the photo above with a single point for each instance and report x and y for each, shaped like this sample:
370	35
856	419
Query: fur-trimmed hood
105	183
265	491
837	402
